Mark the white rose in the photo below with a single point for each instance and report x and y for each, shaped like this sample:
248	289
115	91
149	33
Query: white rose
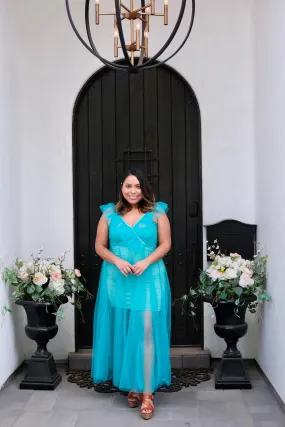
235	255
55	269
77	272
31	267
214	274
227	261
230	273
44	267
246	271
39	279
23	275
234	266
246	280
57	286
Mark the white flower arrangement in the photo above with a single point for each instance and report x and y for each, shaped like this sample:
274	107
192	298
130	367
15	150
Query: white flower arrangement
231	267
45	280
230	278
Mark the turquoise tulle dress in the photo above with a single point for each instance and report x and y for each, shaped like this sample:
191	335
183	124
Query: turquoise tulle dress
121	333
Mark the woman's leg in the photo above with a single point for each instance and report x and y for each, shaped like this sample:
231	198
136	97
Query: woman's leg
148	351
147	404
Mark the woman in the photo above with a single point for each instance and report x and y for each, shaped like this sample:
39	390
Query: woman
132	314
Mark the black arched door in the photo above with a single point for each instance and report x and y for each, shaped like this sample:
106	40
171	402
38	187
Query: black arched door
149	120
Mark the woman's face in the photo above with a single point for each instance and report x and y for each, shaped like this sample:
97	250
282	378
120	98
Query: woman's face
131	190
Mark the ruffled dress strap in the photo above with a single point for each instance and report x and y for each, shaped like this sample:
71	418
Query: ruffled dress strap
160	208
108	210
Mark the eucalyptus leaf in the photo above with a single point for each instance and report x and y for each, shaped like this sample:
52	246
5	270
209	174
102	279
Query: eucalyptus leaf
223	295
238	291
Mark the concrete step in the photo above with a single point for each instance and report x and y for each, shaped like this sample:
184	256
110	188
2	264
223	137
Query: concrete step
181	357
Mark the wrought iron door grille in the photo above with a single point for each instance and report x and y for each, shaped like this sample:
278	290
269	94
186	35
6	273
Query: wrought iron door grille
139	159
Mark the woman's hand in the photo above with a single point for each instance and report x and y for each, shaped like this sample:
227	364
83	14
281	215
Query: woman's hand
124	266
140	266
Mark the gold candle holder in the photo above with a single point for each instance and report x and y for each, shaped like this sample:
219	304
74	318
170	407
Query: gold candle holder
147	17
152	7
133	43
138	32
116	43
145	43
165	12
97	12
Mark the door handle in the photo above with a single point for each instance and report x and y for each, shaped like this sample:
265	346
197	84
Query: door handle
193	209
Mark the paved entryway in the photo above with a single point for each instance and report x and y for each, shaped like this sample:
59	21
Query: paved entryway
202	406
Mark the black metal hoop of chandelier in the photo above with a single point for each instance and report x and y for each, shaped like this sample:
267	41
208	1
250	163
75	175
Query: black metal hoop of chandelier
141	64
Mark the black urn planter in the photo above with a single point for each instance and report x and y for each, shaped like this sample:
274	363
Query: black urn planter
230	326
41	327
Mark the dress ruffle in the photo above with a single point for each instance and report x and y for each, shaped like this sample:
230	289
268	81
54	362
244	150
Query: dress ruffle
108	210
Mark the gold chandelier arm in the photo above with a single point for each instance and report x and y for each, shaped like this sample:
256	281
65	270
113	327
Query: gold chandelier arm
142	8
125	7
142	19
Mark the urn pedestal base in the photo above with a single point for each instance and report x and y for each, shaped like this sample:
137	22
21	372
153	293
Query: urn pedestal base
232	374
41	374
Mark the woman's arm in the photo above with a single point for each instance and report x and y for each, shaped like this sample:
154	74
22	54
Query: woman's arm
164	240
102	250
164	245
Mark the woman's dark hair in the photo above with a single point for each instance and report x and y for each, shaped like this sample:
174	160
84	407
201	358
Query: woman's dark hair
146	204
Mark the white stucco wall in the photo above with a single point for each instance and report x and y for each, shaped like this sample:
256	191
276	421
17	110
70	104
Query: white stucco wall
52	66
10	233
270	178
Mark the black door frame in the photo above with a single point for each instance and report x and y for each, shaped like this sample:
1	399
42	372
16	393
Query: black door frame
74	164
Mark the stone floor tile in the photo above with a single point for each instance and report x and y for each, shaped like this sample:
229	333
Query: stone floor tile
47	419
42	401
268	424
226	422
33	419
265	409
212	409
219	395
8	417
176	400
14	399
258	397
132	418
275	414
83	401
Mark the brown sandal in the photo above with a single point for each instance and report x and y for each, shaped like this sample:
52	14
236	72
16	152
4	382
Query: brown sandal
147	405
133	399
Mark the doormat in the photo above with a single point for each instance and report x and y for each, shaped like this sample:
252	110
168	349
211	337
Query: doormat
179	378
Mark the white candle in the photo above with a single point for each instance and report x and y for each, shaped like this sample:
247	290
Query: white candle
146	43
97	11
165	12
138	28
116	42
